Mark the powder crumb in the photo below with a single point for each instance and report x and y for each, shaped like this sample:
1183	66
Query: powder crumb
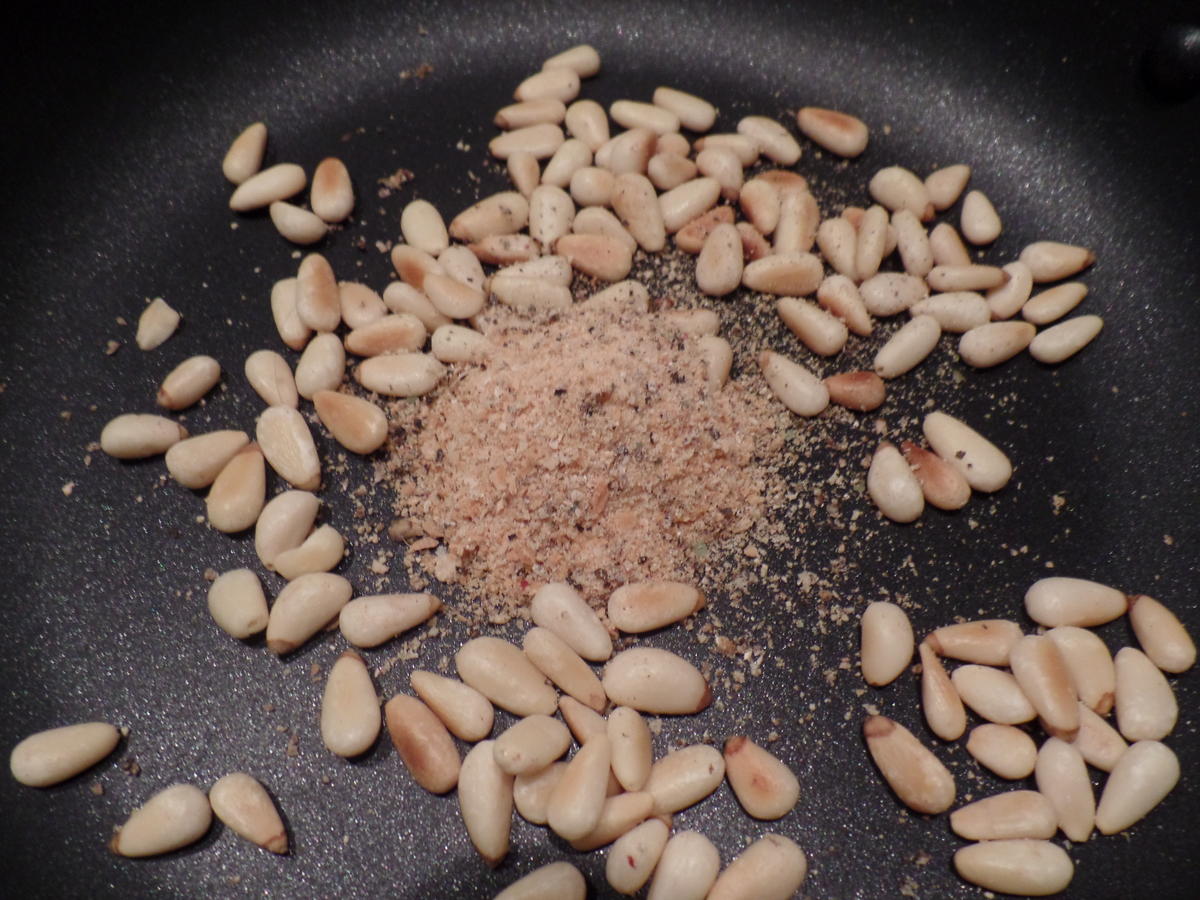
293	746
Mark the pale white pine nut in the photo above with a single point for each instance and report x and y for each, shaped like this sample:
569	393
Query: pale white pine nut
993	694
174	817
628	152
684	777
332	192
898	188
577	800
400	375
1142	777
601	256
523	171
890	293
646	606
760	203
973	277
655	681
1045	680
838	241
943	708
946	185
53	756
321	366
1006	301
838	132
1163	637
318	303
907	347
840	295
672	143
244	805
531	744
1062	778
304	607
557	661
1053	261
504	213
560	82
561	609
981	462
694	113
238	493
397	332
754	245
582	59
799	219
568	159
942	484
284	523
1053	303
587	121
1004	749
1146	706
793	274
1090	665
913	243
462	709
772	868
530	112
530	293
1006	816
287	444
669	170
245	155
598	220
992	343
819	331
985	641
634	856
765	787
773	139
632	747
1098	743
350	719
956	311
743	147
718	359
886	643
423	227
585	723
719	266
373	620
237	603
872	241
687	868
555	881
485	798
321	551
721	163
551	211
400	297
296	224
196	461
503	674
634	114
360	304
636	204
188	382
263	188
1019	866
1060	600
452	298
893	487
979	219
506	249
157	322
531	792
911	770
691	199
947	247
796	387
458	344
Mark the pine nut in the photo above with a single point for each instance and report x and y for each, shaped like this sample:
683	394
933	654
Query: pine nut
400	375
557	661
503	674
1053	261
237	603
796	387
157	322
981	462
52	756
245	155
556	881
684	777
271	378
523	171
691	237
887	643
872	242
754	245
893	487
304	607
1064	340
593	186
628	153
818	330
1013	814
598	220
772	138
296	224
1062	778
994	695
332	193
772	868
596	255
793	274
393	333
423	227
1146	705
244	806
188	382
972	277
558	82
357	424
555	269
263	188
897	188
957	311
572	156
760	203
645	606
947	247
293	332
587	121
744	148
687	868
582	59
404	298
456	344
719	266
916	776
1004	749
620	813
859	391
1030	868
682	204
913	243
531	293
765	787
655	681
349	707
940	702
238	493
545	110
1090	666
1045	680
320	551
1073	601
718	359
979	219
1005	301
318	302
988	642
321	366
838	242
889	293
283	524
174	817
577	800
551	211
841	296
1143	776
559	608
946	185
1163	637
633	857
1098	743
531	744
506	249
197	461
838	132
631	743
485	798
908	346
504	213
799	219
636	204
462	709
694	113
653	117
287	444
531	792
941	483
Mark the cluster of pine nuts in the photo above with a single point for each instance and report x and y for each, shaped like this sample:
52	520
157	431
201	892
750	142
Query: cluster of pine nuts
1064	677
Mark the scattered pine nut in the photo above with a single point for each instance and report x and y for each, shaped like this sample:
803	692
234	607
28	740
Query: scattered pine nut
1142	777
1062	778
287	444
916	776
993	694
531	792
237	603
684	777
52	756
893	487
940	702
946	185
655	681
559	608
321	551
563	666
687	868
764	786
1053	261
1089	664
577	800
349	707
791	274
503	674
462	709
332	192
645	606
239	491
1004	749
992	343
263	188
956	311
987	642
1006	301
1061	600
284	523
981	462
633	858
841	296
772	868
838	132
1064	340
582	59
587	121
297	224
859	391
890	293
244	805
719	266
942	484
292	331
773	139
980	221
558	82
886	643
271	378
555	881
1013	814
195	462
1098	743
897	188
1030	868
188	382
908	347
529	112
947	247
798	388
174	817
1163	637
819	331
485	797
693	113
244	157
156	324
1146	706
303	608
1045	680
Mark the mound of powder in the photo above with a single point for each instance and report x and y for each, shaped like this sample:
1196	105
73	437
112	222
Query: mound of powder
587	448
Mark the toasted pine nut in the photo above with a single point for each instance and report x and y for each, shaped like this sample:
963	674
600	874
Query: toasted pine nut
1146	705
784	179
157	322
893	487
947	247
872	241
414	265
1163	637
239	491
1073	601
628	152
531	744
318	303
485	797
940	702
986	641
332	192
556	881
1143	776
1044	678
288	446
587	121
956	311
598	255
655	681
841	296
244	805
694	113
245	155
979	220
838	132
304	607
1012	814
506	249
792	273
691	237
188	382
764	786
503	674
321	366
946	185
577	800
1098	743
1019	866
916	776
462	709
645	606
859	391
1054	303
992	343
53	756
821	332
1089	665
908	346
560	82
887	643
941	483
1053	261
572	156
530	112
397	332
1006	300
196	461
889	293
174	817
772	868
555	659
760	203
897	188
669	170
263	188
504	213
523	171
582	59
684	777
237	604
634	856
636	204
1004	749
349	707
284	523
719	266
687	868
1062	778
721	164
320	552
981	462
561	609
773	139
296	224
798	388
993	694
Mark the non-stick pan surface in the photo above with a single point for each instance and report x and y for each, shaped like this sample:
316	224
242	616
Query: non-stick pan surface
117	118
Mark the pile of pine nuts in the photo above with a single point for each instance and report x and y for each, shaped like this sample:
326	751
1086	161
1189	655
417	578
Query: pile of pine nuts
597	201
1064	677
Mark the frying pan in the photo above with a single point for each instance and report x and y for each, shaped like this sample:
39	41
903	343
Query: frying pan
118	115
